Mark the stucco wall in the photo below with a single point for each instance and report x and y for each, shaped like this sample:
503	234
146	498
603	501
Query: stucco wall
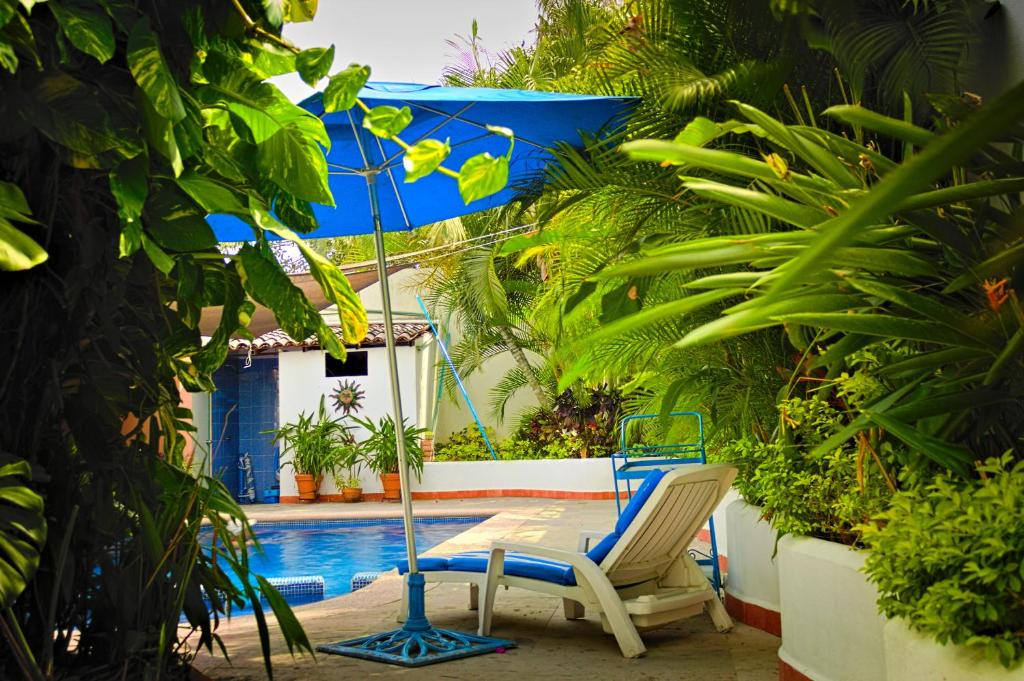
301	382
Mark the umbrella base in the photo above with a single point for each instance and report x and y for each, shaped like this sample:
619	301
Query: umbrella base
417	643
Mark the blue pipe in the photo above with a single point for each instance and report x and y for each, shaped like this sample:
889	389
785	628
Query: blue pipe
458	379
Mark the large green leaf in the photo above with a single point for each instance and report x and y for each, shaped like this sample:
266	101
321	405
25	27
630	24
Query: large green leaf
296	164
797	214
424	157
333	283
88	28
152	73
387	121
343	88
482	175
22	529
176	223
18	251
314	63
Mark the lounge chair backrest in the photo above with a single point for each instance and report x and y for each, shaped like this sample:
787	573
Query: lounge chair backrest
666	525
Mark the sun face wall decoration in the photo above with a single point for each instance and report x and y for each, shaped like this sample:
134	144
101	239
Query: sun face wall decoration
348	397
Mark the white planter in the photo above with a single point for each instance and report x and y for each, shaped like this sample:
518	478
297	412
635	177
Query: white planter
912	656
752	589
831	628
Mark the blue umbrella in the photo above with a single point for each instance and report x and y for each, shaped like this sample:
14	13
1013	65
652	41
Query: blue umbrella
367	178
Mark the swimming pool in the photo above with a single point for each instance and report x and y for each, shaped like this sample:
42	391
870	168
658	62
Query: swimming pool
338	549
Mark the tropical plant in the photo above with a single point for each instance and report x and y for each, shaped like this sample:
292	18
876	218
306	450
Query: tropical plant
864	249
947	558
121	127
318	443
381	446
351	458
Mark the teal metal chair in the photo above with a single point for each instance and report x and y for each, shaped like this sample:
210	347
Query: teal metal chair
634	461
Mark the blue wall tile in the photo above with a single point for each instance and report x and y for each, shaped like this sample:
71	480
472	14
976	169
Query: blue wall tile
253	391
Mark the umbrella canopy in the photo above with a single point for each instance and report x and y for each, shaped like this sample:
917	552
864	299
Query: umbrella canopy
539	120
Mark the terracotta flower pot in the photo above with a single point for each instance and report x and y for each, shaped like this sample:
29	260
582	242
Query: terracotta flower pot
352	494
427	445
392	486
308	485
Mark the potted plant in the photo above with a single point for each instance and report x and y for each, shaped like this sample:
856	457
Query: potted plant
381	451
316	443
346	478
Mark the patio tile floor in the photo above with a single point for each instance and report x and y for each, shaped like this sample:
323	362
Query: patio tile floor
549	646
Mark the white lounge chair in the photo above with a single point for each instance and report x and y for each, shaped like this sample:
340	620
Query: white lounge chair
638	576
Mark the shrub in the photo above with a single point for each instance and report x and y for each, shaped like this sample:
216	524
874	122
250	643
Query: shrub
949	558
825	496
465	445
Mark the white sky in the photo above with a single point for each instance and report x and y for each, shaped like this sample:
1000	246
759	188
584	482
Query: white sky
404	40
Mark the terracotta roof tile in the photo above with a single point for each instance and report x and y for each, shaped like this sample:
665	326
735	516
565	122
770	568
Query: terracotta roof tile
406	333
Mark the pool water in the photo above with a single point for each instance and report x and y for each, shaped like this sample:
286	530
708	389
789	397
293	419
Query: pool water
338	549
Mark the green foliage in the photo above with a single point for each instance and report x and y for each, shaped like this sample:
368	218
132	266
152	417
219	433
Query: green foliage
22	529
380	448
893	256
319	444
827	495
948	557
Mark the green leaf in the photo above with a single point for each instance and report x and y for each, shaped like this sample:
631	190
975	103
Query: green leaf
88	29
152	73
424	157
333	283
274	11
953	457
313	64
268	284
999	265
886	326
160	135
819	158
157	256
8	58
698	132
387	121
343	88
794	213
481	176
129	183
296	164
212	195
13	204
18	251
722	161
893	127
298	11
911	177
22	530
177	224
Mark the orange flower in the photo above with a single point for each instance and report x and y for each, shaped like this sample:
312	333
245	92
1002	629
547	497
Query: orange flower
996	292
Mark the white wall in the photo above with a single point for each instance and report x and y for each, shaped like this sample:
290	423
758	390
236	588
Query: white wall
301	382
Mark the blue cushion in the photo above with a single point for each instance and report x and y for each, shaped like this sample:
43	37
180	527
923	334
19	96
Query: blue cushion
517	565
554	571
425	564
600	551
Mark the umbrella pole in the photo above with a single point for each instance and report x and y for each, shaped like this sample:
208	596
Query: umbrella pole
416	620
417	642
